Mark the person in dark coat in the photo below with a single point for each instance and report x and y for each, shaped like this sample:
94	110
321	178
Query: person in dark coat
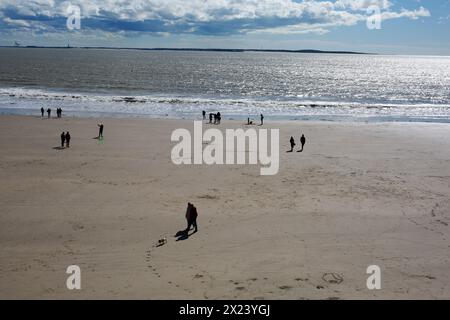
63	139
191	217
292	141
68	139
219	117
42	112
49	111
302	141
100	131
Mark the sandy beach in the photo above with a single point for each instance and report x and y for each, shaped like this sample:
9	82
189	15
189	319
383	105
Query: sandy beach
359	195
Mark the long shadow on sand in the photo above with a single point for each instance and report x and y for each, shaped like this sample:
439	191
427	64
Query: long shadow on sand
58	148
183	235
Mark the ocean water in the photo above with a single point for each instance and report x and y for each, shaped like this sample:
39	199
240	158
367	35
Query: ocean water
177	84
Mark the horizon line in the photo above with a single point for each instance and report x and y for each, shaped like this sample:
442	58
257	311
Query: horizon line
237	50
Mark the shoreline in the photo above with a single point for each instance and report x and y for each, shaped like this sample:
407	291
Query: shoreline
241	119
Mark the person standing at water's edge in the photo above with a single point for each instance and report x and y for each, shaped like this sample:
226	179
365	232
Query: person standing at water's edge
219	117
100	131
49	111
204	114
262	119
42	112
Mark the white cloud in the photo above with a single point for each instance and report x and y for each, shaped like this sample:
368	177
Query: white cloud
205	16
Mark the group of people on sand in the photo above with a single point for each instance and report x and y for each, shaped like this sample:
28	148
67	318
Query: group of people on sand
49	112
217	117
65	139
65	136
250	122
302	141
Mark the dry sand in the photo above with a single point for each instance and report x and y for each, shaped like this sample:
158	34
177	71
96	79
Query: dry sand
360	194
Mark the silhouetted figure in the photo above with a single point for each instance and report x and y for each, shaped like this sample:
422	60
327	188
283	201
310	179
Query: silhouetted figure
210	118
292	141
302	141
191	217
100	131
63	139
68	139
59	112
42	112
262	119
219	117
49	111
204	114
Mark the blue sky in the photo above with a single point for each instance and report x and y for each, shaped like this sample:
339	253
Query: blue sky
407	26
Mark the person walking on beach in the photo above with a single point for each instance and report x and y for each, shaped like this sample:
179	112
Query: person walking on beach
42	112
100	131
210	117
262	119
292	141
302	141
191	217
49	111
63	139
68	139
204	114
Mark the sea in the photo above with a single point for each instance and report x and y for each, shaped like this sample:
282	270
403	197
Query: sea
241	85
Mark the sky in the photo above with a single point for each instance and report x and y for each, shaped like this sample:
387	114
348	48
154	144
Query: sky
379	26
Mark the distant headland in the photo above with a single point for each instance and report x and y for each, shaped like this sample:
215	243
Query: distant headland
193	49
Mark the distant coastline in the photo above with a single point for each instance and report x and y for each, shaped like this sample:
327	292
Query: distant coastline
198	49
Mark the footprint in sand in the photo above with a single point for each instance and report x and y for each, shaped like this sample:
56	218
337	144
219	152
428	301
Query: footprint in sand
285	287
208	197
77	226
332	278
301	279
